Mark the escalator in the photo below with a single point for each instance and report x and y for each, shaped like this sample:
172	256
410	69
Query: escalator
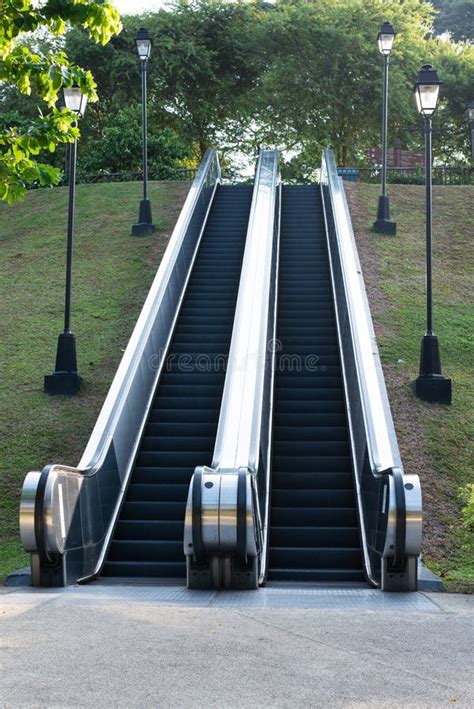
314	533
181	428
247	435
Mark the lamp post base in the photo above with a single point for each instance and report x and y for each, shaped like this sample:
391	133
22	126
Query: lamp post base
145	226
65	379
431	385
382	224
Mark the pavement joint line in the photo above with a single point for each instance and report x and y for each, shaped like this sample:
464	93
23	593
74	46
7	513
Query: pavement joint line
357	653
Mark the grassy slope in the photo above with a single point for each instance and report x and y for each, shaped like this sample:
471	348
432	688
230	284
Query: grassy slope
436	441
112	273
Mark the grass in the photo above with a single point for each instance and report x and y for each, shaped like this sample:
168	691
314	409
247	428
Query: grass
112	274
435	440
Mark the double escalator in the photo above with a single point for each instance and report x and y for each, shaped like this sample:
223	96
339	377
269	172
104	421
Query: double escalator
314	534
181	427
307	483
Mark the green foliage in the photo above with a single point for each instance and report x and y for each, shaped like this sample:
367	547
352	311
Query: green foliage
455	17
45	74
297	75
119	147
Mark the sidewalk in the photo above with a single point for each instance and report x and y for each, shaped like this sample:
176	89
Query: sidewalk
146	646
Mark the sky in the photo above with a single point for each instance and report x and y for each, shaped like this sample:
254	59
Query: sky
134	7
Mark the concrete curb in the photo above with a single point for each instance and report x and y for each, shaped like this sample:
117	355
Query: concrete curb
20	577
427	580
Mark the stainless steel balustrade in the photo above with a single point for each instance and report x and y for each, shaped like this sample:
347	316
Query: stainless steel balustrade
389	501
227	511
67	515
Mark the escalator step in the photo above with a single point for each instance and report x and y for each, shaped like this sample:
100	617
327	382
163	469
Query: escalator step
145	569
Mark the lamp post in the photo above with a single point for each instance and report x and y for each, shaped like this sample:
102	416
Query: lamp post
430	384
145	223
65	379
470	118
383	225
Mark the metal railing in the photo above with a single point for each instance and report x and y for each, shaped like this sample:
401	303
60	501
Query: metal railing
237	478
389	501
67	515
442	175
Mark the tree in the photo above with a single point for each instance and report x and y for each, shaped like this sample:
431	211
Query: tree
119	146
30	69
455	17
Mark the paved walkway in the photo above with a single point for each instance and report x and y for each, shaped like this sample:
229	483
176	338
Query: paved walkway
148	646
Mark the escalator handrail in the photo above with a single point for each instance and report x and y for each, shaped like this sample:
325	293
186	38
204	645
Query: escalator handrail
238	435
115	408
382	446
208	172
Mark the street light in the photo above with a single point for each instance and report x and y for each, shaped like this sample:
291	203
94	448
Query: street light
430	384
470	118
145	223
65	379
383	225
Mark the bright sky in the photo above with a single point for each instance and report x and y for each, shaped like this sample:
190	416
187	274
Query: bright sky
135	7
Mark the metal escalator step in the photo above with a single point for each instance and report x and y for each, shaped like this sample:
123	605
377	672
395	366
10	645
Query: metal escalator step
309	393
313	498
138	550
315	557
309	433
176	428
331	575
310	480
197	444
313	463
183	376
148	569
171	475
196	403
298	420
152	511
179	458
292	406
314	517
149	529
191	416
331	537
157	492
299	447
319	379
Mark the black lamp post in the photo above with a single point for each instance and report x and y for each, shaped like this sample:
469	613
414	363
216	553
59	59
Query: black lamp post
65	379
470	118
430	385
383	225
145	223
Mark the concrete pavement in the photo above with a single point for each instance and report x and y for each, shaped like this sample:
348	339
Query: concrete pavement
120	646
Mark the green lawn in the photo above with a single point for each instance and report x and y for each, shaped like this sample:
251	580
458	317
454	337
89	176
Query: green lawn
112	274
436	441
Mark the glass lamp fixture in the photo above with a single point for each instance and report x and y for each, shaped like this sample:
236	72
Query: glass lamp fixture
470	112
385	38
426	90
143	42
75	100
